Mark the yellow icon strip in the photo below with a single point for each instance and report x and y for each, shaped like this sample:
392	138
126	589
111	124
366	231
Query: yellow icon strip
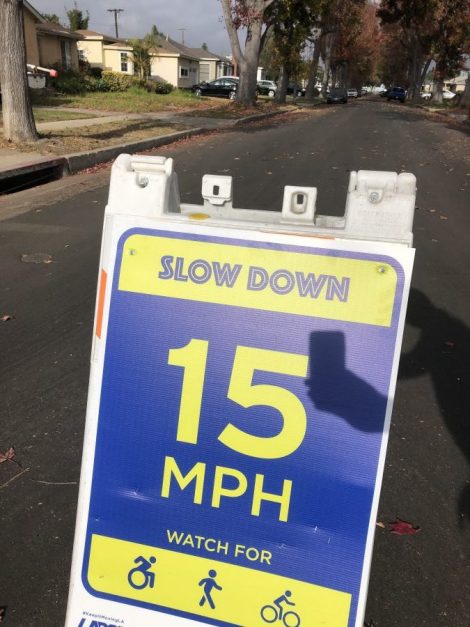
285	281
179	581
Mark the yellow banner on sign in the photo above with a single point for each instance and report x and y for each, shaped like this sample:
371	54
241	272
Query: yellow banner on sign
325	286
216	590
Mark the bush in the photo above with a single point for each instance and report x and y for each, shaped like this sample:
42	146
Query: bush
162	87
69	82
95	84
116	81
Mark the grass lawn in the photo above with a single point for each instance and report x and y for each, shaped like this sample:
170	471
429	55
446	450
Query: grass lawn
46	115
92	137
134	100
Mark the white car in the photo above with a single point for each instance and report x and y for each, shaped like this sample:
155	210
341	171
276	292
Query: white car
446	95
352	93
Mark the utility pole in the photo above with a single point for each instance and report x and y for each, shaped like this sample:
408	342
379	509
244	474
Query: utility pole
182	34
116	11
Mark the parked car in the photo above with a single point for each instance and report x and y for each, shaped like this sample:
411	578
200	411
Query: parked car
337	94
266	88
384	93
223	87
352	93
397	93
292	86
448	95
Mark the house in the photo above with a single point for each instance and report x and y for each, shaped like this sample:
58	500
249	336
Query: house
171	61
48	44
174	63
105	52
211	66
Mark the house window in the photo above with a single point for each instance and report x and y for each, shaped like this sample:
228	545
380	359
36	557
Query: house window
184	72
124	62
65	53
81	55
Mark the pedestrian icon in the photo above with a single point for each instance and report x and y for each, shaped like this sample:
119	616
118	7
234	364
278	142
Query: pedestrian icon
208	584
276	612
141	576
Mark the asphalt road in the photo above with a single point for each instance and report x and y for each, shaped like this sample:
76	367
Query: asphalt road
417	580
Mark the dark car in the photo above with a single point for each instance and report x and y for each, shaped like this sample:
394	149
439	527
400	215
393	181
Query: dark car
292	86
266	88
222	87
337	94
397	93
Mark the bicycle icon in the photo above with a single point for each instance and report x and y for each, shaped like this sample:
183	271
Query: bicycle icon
275	612
141	577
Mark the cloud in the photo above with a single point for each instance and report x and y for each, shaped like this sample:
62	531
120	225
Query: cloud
201	19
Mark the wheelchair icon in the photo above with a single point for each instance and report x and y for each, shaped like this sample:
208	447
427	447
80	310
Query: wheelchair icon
141	577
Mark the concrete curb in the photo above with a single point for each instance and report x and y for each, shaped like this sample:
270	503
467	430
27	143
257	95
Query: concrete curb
83	160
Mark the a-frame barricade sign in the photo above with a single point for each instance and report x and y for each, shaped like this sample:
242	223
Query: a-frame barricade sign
242	379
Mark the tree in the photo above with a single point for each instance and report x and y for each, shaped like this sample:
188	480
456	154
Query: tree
249	15
152	38
76	19
415	19
141	58
18	121
452	29
290	21
51	17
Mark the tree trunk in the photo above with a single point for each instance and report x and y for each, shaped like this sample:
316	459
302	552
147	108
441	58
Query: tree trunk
281	90
312	72
438	86
247	61
465	100
246	94
18	121
326	55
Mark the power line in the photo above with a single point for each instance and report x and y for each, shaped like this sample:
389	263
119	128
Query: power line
116	11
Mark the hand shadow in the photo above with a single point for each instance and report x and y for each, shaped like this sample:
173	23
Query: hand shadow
335	389
443	352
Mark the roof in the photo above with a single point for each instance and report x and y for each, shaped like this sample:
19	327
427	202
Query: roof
203	54
91	34
57	29
119	45
171	46
32	10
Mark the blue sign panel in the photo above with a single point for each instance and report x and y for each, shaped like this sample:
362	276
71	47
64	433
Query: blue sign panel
240	432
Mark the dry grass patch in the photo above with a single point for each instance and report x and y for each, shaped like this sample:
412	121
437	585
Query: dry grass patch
63	142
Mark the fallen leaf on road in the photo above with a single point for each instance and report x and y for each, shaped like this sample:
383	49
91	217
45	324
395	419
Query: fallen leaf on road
3	611
380	524
36	258
268	172
443	217
369	624
6	317
403	528
449	343
8	455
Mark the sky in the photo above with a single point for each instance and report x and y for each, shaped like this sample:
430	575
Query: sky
202	19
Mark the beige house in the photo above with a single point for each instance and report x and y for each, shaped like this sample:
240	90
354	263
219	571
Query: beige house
48	44
211	66
105	52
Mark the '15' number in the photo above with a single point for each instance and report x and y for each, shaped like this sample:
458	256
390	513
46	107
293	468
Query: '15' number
193	359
